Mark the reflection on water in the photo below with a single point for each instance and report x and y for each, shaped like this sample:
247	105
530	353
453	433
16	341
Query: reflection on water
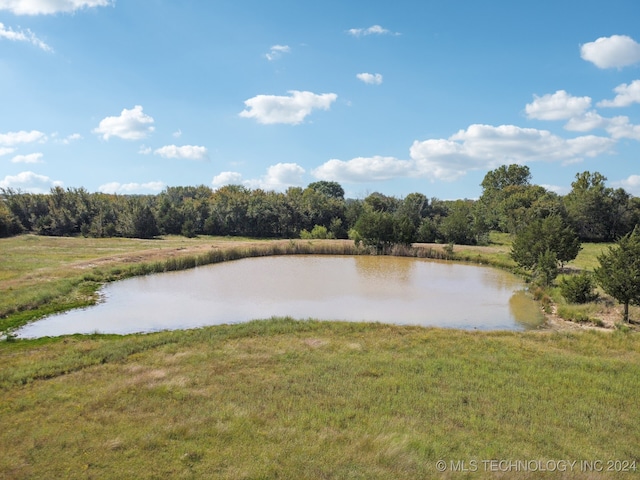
372	267
397	290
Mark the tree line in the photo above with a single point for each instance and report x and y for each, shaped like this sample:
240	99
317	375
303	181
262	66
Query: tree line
547	228
509	203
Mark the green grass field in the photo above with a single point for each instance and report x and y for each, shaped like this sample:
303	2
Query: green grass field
287	399
298	399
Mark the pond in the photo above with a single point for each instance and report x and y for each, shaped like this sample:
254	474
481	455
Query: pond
398	290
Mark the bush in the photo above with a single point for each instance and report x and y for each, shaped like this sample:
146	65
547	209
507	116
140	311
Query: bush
578	288
318	232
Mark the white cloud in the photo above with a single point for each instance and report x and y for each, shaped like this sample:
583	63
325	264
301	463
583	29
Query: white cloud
616	51
281	176
23	36
188	152
586	122
49	7
14	138
371	78
29	182
292	110
227	178
143	150
29	158
6	150
372	30
631	184
486	147
177	134
619	127
479	147
278	177
131	188
627	95
276	52
557	106
364	169
130	125
66	140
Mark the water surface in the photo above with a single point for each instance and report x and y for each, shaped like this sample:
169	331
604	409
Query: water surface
397	290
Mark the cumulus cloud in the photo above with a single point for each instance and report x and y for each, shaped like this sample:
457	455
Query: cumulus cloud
187	152
364	169
557	106
177	134
616	51
278	177
6	150
620	127
487	146
561	106
227	178
626	95
372	30
276	52
131	188
292	109
23	36
49	7
130	125
11	139
479	147
29	182
282	176
586	122
370	78
631	184
29	158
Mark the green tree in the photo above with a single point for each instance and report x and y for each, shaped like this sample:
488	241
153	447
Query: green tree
143	222
619	271
376	229
498	185
597	212
330	189
542	235
9	224
506	176
460	225
546	268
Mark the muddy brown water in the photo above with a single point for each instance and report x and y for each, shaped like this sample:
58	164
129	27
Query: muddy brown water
384	289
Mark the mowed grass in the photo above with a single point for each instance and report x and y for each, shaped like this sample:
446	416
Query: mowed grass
306	399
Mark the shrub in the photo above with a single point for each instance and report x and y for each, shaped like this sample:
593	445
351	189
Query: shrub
578	288
318	232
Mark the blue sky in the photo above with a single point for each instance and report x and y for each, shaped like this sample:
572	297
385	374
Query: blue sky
131	96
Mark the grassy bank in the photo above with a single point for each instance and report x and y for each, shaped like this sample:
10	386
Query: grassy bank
286	399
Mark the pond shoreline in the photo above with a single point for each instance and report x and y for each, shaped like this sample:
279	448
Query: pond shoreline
93	274
383	288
